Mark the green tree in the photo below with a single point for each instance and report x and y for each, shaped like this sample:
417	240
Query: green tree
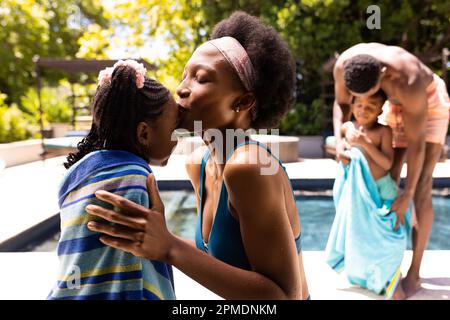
55	105
13	123
178	25
316	30
49	28
166	32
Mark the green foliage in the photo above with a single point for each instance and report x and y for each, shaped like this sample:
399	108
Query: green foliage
303	119
314	29
55	105
48	28
178	24
13	125
317	29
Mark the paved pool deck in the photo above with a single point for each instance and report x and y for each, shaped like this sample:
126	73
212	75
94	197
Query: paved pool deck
28	200
28	193
30	276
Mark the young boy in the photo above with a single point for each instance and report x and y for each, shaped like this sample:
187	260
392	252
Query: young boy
362	239
374	139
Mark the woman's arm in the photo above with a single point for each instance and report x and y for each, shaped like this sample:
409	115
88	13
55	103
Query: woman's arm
267	236
266	233
257	196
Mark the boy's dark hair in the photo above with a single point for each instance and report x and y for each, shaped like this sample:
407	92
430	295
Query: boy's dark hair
274	66
118	107
381	95
361	73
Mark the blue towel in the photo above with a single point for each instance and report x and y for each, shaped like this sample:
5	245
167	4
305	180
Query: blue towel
362	239
89	270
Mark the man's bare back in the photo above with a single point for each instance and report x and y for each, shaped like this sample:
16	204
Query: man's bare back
402	70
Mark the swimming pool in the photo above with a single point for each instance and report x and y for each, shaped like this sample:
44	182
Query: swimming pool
316	216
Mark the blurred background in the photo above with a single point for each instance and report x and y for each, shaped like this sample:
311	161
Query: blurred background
165	32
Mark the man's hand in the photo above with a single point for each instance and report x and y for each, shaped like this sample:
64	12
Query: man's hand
400	206
341	154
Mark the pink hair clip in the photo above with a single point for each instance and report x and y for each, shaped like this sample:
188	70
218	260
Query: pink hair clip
105	75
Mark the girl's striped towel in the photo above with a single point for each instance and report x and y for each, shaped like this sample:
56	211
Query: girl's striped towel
88	269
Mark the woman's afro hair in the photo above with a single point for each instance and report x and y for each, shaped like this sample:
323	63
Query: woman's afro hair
273	63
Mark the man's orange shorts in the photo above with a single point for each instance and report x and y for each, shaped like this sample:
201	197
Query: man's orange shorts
437	115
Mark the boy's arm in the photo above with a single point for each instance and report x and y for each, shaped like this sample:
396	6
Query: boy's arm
384	156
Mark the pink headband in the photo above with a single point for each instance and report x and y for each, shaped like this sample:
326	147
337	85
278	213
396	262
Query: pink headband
105	75
238	58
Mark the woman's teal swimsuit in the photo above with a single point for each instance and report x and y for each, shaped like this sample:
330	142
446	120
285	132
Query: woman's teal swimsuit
225	241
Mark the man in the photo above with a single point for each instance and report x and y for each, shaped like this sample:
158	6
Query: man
418	113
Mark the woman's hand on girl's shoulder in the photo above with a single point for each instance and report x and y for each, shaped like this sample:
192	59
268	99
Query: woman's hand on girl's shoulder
138	230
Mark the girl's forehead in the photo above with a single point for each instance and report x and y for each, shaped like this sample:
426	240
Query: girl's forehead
368	100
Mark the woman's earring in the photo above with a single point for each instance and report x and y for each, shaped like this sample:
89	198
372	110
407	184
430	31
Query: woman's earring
237	109
253	113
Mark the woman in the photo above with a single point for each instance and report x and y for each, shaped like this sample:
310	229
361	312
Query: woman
248	233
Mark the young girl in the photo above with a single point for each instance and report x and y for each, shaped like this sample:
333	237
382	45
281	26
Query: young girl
133	119
364	237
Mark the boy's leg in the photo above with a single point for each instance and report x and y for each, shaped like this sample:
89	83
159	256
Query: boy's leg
425	215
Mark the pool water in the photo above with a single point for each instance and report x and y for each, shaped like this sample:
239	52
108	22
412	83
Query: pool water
316	216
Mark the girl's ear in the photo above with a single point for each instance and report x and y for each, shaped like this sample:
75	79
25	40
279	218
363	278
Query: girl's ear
143	133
